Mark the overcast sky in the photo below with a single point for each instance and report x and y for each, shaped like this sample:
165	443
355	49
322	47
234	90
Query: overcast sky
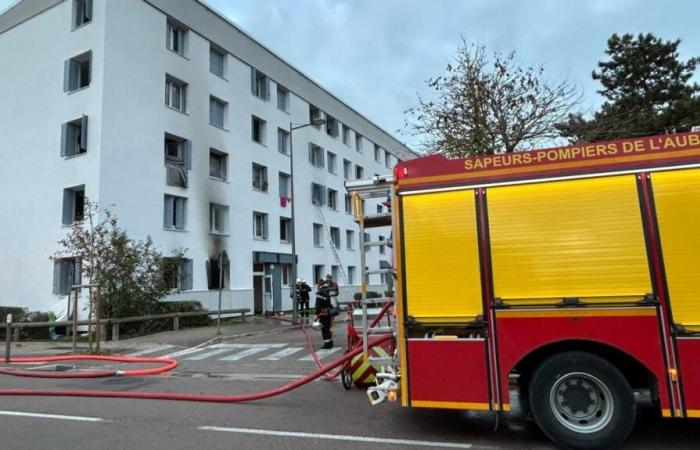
376	54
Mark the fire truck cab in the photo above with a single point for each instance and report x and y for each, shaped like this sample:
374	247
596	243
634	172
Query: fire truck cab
568	276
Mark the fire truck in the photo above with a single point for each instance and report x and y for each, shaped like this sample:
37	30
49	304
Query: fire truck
565	277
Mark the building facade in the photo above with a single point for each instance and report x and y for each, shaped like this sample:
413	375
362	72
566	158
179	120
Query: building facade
178	121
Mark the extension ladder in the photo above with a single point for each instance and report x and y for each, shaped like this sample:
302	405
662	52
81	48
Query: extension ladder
361	190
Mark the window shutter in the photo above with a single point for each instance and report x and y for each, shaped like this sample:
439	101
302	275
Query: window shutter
68	209
207	266
186	283
311	153
265	235
187	154
56	277
322	157
77	272
83	132
66	75
183	98
180	213
88	9
168	212
266	87
168	33
64	139
253	83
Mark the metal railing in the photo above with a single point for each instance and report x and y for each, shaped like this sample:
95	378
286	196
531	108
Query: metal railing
13	329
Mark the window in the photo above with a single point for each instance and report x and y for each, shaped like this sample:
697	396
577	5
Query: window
318	272
76	72
74	136
285	229
217	61
73	205
379	209
331	162
284	182
387	159
318	235
175	39
218	277
66	273
259	128
283	141
316	155
347	168
332	126
82	12
382	248
358	142
175	93
259	225
332	198
367	238
334	272
314	114
218	164
218	218
346	135
286	274
377	153
350	239
282	99
174	212
177	273
335	239
359	172
260	177
217	112
348	204
259	84
177	155
351	275
318	194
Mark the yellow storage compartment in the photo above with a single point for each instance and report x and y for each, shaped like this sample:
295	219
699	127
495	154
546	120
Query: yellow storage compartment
442	258
576	238
677	198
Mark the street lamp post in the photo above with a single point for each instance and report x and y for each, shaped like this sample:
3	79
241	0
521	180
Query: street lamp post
315	122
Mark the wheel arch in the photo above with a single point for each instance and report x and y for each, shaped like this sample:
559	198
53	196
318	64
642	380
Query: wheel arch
638	374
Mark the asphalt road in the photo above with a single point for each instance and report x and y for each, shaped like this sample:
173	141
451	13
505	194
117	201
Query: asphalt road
319	415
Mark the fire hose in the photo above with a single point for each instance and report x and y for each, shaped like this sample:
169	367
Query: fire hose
170	364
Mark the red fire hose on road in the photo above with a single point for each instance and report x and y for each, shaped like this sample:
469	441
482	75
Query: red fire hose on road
170	364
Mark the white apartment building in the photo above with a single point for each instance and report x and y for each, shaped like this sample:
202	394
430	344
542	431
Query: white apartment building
177	120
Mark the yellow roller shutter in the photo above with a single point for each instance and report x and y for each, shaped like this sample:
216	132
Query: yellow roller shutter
577	238
677	198
442	259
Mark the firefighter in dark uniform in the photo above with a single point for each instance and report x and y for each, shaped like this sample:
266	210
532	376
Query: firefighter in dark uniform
302	297
324	314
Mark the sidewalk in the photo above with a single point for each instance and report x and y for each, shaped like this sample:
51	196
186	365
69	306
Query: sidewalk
188	337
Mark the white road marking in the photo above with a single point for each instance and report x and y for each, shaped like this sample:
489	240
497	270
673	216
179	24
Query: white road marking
337	437
51	416
321	354
205	355
281	354
154	349
184	352
268	345
244	353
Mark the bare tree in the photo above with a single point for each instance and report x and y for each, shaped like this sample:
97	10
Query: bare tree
490	105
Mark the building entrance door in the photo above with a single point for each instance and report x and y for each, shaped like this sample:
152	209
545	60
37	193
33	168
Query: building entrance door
268	294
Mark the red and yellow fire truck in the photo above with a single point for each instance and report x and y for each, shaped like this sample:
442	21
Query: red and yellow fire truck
569	276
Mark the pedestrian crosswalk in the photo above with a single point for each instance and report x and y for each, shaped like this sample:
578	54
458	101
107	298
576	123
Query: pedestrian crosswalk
231	352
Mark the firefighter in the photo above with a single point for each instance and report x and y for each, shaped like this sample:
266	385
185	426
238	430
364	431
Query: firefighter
323	312
302	291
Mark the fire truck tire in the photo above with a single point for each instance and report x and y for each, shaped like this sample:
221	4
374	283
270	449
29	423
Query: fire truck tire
581	401
346	378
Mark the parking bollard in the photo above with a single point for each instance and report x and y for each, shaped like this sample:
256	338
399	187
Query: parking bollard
8	337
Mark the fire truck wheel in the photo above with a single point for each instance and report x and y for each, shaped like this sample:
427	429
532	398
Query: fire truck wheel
581	401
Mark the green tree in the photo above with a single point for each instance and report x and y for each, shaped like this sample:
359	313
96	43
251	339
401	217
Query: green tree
489	104
647	91
132	274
